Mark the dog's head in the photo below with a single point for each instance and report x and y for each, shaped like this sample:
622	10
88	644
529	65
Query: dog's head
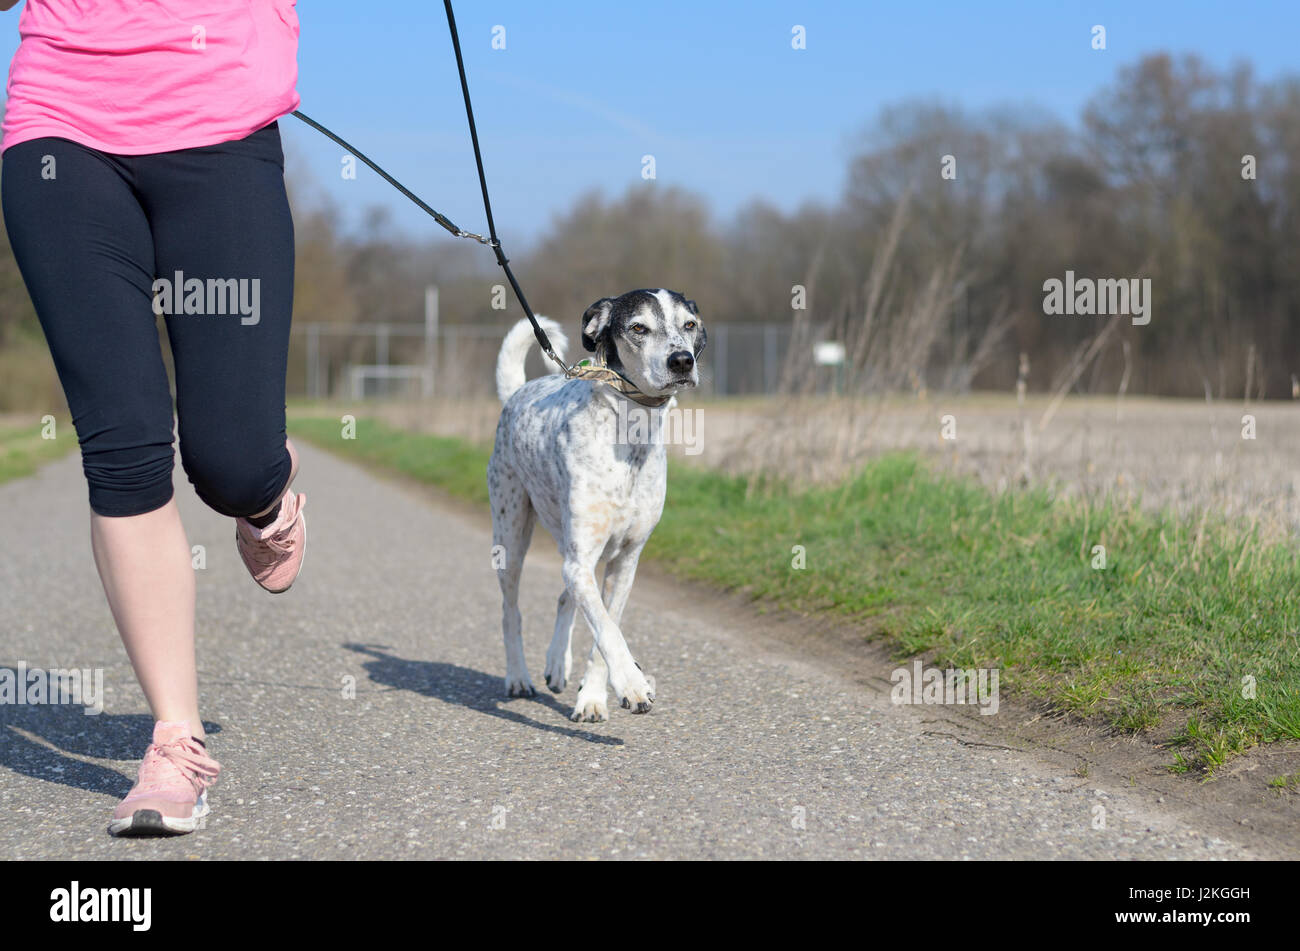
652	337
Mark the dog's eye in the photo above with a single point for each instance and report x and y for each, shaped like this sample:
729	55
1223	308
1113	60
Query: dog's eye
689	325
640	329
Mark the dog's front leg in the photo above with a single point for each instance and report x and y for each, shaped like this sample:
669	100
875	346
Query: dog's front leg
629	683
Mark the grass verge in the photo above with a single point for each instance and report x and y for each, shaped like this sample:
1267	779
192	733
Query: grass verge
23	449
1140	621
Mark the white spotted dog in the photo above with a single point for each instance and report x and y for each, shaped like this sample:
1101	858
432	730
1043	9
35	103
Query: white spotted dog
558	458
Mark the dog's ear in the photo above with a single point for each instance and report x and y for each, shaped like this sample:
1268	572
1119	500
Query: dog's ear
702	335
595	321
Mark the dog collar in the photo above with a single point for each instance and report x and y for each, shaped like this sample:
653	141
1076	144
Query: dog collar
599	372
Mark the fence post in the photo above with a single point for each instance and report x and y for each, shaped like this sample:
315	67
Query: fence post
313	360
769	358
431	332
453	351
720	363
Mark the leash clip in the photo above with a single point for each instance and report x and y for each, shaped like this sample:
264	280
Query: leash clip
490	242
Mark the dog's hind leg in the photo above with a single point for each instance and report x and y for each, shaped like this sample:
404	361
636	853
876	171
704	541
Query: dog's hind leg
512	529
620	572
559	657
592	692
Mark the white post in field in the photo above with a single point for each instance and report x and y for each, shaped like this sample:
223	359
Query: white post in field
431	334
313	361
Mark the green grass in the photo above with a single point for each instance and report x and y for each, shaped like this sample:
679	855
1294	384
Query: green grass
455	465
1159	640
23	450
1288	783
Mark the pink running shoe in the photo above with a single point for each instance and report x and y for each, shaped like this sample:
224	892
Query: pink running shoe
273	555
170	795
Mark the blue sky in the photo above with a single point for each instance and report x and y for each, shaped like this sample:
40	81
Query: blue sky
712	89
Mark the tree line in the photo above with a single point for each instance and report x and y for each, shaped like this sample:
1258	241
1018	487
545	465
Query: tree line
932	267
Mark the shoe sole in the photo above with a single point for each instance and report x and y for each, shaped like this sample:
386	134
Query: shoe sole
150	823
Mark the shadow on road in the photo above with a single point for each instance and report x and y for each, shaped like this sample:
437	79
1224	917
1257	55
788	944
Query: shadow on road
469	688
44	740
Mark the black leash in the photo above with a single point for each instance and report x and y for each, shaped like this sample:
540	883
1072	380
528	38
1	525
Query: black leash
432	212
491	240
538	332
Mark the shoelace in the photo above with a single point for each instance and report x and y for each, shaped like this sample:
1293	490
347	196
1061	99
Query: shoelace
183	754
280	542
281	545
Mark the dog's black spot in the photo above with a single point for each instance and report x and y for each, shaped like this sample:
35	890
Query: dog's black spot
599	311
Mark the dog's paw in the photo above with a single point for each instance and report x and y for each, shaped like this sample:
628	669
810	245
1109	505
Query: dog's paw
520	687
636	692
557	670
590	706
589	710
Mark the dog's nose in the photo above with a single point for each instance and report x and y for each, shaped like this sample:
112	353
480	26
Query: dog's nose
681	361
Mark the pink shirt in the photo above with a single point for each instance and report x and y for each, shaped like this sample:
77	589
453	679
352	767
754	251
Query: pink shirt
133	77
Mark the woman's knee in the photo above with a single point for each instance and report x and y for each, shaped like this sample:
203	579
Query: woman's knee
236	483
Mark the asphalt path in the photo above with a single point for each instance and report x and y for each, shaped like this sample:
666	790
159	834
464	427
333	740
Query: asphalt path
362	715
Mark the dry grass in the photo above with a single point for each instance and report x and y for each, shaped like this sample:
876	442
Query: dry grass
1184	455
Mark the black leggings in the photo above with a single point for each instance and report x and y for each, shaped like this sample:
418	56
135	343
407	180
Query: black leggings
91	232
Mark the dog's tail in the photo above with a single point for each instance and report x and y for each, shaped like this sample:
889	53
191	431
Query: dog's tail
510	362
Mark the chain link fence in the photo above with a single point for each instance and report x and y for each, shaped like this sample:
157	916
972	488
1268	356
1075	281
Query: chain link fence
359	361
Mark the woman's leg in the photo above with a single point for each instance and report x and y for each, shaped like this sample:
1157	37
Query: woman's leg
144	563
223	234
223	239
85	250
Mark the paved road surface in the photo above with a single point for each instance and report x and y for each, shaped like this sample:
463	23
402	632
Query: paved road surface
750	752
